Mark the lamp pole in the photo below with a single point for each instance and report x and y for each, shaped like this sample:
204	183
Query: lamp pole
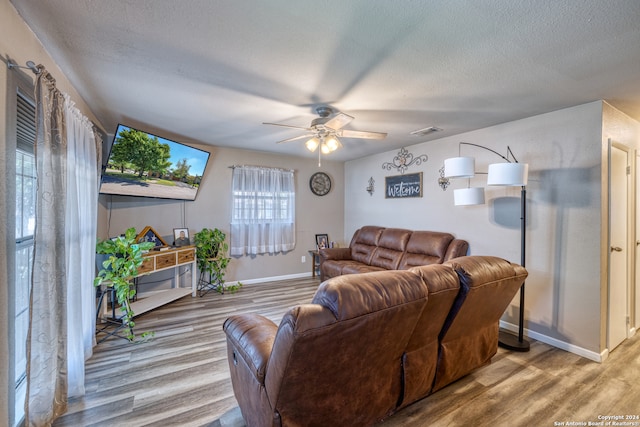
505	339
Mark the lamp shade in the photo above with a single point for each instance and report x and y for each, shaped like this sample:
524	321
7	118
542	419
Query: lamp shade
508	174
459	167
468	196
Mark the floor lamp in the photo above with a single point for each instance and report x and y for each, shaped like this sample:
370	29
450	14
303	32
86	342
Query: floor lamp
511	174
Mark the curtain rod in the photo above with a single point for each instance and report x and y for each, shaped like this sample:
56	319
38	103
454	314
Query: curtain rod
261	167
30	66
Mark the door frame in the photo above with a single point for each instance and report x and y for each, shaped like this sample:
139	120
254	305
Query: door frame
629	244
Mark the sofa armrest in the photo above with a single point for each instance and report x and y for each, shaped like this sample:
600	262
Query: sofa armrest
251	337
335	254
457	248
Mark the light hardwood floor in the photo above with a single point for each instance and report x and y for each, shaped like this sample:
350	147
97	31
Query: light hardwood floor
181	377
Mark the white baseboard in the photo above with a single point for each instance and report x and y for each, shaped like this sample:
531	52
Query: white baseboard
271	279
583	352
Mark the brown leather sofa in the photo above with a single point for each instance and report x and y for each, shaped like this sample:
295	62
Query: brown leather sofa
369	344
375	248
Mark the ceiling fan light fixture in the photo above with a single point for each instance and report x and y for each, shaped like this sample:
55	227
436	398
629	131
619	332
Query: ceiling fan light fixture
312	144
333	143
325	148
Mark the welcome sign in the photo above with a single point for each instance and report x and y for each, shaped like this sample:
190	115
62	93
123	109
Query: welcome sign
401	186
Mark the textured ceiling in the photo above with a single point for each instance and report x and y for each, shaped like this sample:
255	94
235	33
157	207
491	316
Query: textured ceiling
212	71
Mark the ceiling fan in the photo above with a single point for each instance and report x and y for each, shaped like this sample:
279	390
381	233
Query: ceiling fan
325	131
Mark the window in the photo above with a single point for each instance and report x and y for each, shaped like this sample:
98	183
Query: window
25	187
263	217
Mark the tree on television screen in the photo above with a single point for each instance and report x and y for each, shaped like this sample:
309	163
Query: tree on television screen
182	169
140	152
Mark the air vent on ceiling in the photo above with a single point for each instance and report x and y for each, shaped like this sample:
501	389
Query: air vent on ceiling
425	131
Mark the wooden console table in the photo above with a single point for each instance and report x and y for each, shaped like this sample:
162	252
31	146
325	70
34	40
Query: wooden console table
156	261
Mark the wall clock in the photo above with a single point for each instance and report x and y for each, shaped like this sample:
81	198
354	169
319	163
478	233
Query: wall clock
320	183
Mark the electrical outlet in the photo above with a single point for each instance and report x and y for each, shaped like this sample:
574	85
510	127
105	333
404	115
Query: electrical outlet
303	259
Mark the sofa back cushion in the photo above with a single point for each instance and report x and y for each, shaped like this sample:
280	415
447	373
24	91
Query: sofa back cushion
364	243
345	344
469	337
424	248
391	247
421	356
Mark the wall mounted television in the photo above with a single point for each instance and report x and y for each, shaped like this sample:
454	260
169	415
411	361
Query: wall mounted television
145	165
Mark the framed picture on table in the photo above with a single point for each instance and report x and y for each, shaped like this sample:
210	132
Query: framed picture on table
322	241
181	237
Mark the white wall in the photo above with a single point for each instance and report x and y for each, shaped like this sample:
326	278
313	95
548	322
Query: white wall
212	209
563	149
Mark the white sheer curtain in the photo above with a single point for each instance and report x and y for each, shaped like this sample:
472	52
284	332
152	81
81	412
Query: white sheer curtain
263	218
80	239
62	302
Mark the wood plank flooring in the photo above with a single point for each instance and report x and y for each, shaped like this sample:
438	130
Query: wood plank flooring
181	377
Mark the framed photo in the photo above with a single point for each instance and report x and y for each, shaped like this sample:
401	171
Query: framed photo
322	241
148	234
181	237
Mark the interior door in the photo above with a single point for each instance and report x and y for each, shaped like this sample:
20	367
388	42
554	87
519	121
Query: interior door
618	289
636	279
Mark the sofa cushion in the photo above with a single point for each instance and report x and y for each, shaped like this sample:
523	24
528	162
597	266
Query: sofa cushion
332	268
421	356
364	244
351	296
490	283
391	246
424	248
354	267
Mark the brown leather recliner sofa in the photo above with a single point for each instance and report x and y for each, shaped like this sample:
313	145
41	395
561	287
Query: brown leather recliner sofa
369	344
375	248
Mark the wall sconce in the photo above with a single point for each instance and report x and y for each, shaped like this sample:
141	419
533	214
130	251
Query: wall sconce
442	181
370	188
512	174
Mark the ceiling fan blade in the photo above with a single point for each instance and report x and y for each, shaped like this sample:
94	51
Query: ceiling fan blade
361	134
338	121
286	126
295	138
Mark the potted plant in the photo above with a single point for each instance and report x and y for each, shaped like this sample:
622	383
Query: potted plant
211	253
123	256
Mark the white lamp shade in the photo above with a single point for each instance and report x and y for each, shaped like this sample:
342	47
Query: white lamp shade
468	196
508	174
459	167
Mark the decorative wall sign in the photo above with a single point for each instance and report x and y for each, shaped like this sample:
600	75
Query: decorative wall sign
401	186
403	160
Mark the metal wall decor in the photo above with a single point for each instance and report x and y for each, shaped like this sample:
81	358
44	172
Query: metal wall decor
443	181
403	160
370	188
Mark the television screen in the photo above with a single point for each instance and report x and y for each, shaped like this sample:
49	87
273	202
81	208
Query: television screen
142	164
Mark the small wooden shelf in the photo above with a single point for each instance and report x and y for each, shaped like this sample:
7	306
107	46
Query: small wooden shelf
156	300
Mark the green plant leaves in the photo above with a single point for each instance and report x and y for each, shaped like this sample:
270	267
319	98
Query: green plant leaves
125	256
